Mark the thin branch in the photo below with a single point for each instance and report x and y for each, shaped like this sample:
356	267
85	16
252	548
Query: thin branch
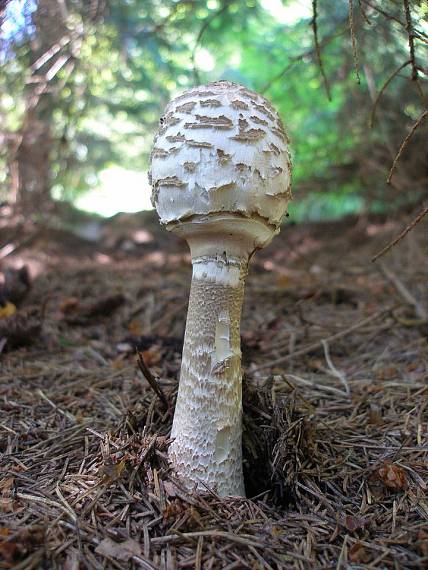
421	93
319	343
293	60
410	34
334	371
202	31
383	13
151	379
401	235
318	49
407	295
363	12
418	33
383	89
56	67
404	144
354	39
289	65
53	50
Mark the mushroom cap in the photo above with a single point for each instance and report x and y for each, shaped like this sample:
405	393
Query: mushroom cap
221	149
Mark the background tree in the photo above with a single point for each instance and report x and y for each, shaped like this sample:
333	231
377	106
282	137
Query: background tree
85	82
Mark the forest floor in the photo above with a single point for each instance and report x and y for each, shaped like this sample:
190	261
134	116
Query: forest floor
335	356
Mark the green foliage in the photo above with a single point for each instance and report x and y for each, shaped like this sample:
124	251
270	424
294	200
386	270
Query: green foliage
126	62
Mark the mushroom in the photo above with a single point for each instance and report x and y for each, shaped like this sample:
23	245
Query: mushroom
220	172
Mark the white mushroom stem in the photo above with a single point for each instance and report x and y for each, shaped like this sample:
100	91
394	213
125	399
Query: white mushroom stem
207	428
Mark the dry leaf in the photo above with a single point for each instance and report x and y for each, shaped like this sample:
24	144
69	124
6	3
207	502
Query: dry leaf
21	328
315	364
6	484
103	306
387	373
72	562
77	313
14	284
422	541
174	509
375	415
6	500
353	523
118	363
277	531
68	305
26	541
7	310
6	505
135	328
123	551
359	554
152	355
170	489
195	516
10	552
111	472
392	476
283	281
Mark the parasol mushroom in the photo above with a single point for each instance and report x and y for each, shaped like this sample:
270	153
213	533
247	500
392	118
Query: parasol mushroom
220	173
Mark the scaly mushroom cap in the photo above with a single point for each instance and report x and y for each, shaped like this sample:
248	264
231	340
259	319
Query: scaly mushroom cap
220	149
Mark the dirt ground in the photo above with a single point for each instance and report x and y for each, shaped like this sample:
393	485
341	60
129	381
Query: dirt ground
335	357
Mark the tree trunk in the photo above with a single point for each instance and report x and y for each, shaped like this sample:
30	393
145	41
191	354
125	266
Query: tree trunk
31	160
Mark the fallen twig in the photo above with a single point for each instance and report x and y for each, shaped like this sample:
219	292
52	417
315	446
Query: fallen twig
335	372
409	30
404	144
319	343
383	89
404	292
202	31
151	379
401	235
318	49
